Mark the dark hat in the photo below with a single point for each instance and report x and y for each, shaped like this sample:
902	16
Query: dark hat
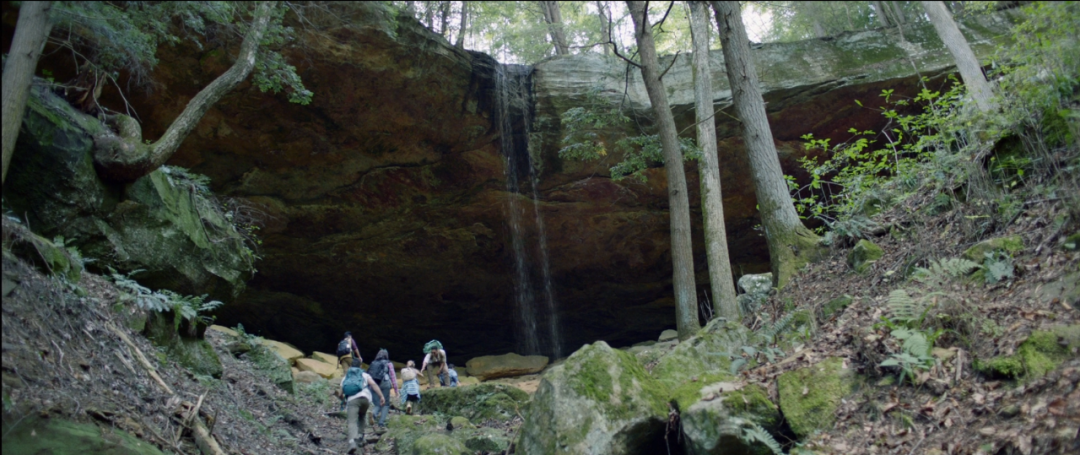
348	334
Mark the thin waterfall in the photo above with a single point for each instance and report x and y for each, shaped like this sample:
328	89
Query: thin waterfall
535	315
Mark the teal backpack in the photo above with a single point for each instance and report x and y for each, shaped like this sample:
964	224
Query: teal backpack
433	344
354	382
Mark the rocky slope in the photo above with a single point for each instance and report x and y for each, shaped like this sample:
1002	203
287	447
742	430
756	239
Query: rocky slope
382	204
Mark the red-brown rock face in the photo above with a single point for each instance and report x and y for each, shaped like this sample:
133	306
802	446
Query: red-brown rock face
382	204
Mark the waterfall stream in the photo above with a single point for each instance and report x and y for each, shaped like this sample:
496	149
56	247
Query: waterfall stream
534	296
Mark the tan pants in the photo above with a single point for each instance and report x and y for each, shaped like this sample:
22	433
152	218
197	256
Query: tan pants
432	374
357	415
345	362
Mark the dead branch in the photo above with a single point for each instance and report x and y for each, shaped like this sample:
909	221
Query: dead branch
142	359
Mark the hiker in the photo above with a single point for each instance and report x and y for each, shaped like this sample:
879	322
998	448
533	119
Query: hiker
435	357
357	387
410	386
382	371
452	374
347	350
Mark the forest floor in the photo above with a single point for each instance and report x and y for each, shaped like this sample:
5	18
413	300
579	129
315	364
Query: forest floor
950	408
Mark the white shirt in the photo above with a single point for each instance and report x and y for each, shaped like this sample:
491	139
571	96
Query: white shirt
366	393
427	359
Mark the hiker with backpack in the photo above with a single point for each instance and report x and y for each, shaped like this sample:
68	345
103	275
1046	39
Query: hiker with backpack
347	350
434	357
357	387
410	386
451	374
382	371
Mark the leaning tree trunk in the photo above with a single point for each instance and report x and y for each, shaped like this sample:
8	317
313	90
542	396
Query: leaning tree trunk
966	62
712	204
682	254
879	14
791	244
31	31
460	41
444	20
554	20
125	158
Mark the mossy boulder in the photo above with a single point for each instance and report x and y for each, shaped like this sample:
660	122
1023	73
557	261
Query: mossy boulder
865	254
438	444
48	256
600	400
700	360
64	437
477	403
810	396
756	288
192	352
714	424
510	364
1039	354
1010	244
272	365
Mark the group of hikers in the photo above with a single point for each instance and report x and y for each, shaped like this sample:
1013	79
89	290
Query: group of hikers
380	379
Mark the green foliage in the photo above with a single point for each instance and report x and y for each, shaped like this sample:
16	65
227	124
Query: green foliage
905	320
754	433
184	307
998	266
110	37
941	271
586	128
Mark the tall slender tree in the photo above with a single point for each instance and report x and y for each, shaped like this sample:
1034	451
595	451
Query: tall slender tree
31	31
460	42
879	14
791	244
444	19
716	248
555	24
605	21
682	254
970	69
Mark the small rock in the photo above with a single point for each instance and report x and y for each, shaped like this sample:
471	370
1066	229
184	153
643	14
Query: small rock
668	335
1009	411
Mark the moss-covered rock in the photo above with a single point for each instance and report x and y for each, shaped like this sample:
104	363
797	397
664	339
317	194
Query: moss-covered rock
714	424
193	353
1039	354
1072	242
600	400
864	255
438	444
1010	244
810	396
700	360
64	437
273	366
478	403
48	256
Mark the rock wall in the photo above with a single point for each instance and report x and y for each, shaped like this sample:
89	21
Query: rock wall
382	203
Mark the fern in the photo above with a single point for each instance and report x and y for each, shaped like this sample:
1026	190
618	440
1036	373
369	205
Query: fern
752	433
999	267
941	271
769	332
904	309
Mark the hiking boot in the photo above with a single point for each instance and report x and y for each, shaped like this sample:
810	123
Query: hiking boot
408	408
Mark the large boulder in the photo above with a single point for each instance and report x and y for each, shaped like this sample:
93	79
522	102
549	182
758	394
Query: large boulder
809	396
166	224
499	366
318	367
756	288
700	360
478	403
599	401
1040	353
286	351
415	434
718	423
1011	244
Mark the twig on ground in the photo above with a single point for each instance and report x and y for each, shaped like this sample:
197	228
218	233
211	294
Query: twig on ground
142	359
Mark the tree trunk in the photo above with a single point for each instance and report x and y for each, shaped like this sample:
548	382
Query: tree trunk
879	14
898	13
554	20
31	31
791	244
125	158
429	14
444	20
604	22
712	204
819	31
970	69
460	42
682	254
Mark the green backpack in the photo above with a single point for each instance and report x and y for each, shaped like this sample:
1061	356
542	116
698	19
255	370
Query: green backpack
433	344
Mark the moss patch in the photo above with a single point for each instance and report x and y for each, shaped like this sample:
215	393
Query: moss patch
752	403
1010	244
810	396
864	255
63	437
1042	352
835	306
477	403
195	354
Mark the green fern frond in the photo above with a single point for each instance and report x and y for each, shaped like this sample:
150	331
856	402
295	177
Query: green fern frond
769	332
753	432
903	308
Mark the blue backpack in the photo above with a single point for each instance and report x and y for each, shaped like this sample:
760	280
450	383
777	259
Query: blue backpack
354	382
